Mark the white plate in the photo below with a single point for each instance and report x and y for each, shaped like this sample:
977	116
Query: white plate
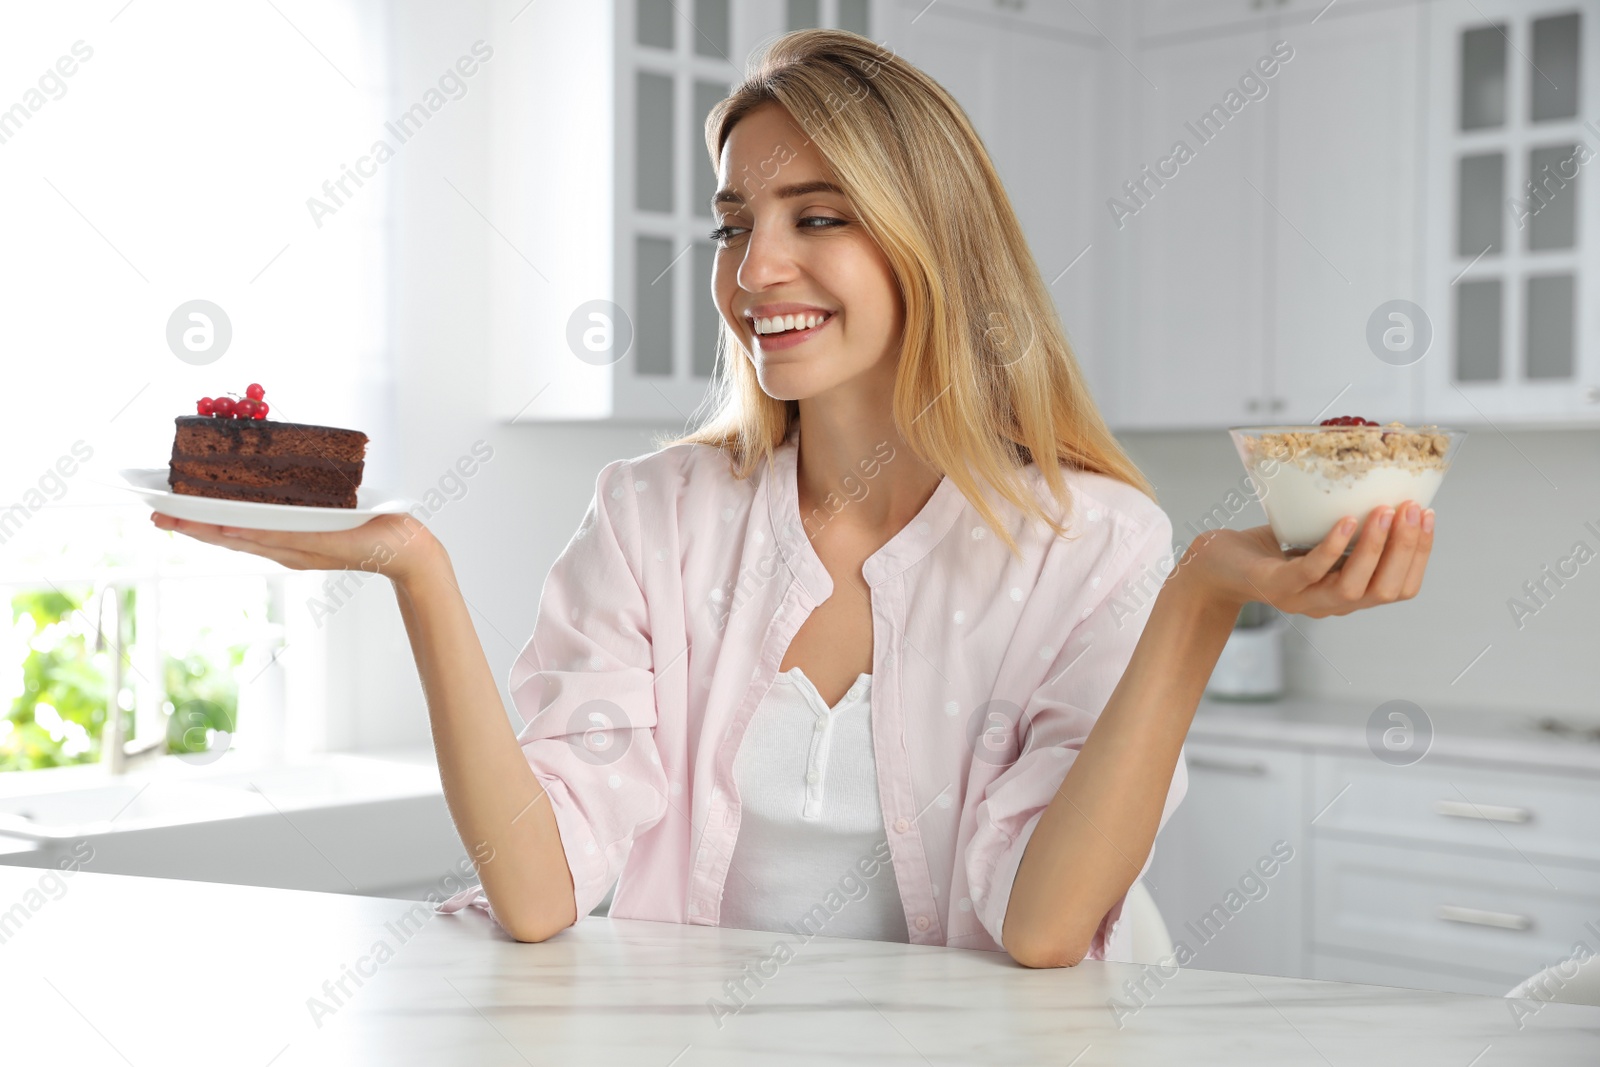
150	484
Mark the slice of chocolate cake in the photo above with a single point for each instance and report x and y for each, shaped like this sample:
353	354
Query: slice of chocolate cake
267	462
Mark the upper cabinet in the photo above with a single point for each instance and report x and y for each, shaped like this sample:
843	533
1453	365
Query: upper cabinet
1397	227
623	326
675	61
1271	204
1342	213
1246	210
600	303
1028	76
1512	233
1188	205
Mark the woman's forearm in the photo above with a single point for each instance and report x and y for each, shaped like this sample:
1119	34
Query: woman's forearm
493	795
1096	833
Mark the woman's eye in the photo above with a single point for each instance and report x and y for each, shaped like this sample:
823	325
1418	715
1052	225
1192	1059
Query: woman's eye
724	233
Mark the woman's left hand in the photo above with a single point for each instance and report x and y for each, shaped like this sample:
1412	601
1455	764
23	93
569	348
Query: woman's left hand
1386	564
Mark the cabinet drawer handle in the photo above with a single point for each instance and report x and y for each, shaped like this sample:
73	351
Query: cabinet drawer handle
1501	920
1204	763
1490	812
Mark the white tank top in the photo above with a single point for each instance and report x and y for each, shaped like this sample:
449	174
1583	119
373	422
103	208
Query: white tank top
811	824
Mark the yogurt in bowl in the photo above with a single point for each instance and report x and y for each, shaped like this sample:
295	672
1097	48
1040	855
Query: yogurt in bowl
1309	477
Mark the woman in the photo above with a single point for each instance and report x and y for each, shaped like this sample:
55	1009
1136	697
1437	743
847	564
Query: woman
831	663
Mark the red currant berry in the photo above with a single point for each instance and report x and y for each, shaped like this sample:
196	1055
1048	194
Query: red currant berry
261	409
255	392
204	405
244	409
222	407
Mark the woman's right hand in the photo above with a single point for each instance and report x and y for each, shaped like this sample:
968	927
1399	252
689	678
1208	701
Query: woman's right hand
396	546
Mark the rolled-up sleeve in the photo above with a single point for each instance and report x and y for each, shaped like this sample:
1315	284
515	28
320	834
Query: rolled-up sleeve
1056	721
585	686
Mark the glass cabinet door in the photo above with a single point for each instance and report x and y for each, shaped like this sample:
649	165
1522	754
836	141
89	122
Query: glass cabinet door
1516	156
677	59
677	64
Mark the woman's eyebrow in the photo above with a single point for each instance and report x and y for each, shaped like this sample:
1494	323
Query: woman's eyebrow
782	192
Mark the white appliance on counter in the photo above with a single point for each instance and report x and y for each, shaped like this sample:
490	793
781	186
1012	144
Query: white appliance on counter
1251	664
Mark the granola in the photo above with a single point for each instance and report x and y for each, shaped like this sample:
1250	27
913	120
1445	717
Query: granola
1348	452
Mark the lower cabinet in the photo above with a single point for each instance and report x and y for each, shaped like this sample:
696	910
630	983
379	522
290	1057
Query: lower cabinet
1448	876
1231	865
1471	923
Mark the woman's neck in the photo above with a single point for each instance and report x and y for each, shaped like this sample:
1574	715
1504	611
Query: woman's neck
853	451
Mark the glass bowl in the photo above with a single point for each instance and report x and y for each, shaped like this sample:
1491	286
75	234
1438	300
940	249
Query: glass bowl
1309	477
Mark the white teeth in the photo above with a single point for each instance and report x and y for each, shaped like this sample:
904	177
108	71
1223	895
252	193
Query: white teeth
782	323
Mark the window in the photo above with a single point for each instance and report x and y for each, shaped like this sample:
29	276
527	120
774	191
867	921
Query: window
156	156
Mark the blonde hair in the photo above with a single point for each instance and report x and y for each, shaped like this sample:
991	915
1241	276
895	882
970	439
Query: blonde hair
986	380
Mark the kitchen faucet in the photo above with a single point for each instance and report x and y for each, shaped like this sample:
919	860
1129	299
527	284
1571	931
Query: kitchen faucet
118	755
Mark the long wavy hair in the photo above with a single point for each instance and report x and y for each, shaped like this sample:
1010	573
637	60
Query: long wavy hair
986	380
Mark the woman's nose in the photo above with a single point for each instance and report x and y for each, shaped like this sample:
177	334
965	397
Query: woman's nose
768	259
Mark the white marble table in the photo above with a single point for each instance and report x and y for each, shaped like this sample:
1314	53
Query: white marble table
106	969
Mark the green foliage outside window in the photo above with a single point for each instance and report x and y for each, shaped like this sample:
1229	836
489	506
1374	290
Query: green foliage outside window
201	700
58	683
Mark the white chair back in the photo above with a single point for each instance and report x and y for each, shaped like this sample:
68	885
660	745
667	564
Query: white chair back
1150	941
1568	982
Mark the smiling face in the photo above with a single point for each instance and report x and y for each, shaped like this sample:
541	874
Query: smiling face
793	246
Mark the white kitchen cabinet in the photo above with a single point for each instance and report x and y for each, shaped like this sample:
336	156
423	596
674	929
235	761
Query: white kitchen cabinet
1199	235
1241	803
1471	877
1539	816
1160	21
1163	18
1259	263
1254	268
1512	233
673	64
600	296
632	224
1032	91
1342	215
1467	871
1398	146
1487	921
1013	15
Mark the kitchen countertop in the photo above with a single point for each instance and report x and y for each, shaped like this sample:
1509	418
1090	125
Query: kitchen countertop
178	769
108	969
1495	737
